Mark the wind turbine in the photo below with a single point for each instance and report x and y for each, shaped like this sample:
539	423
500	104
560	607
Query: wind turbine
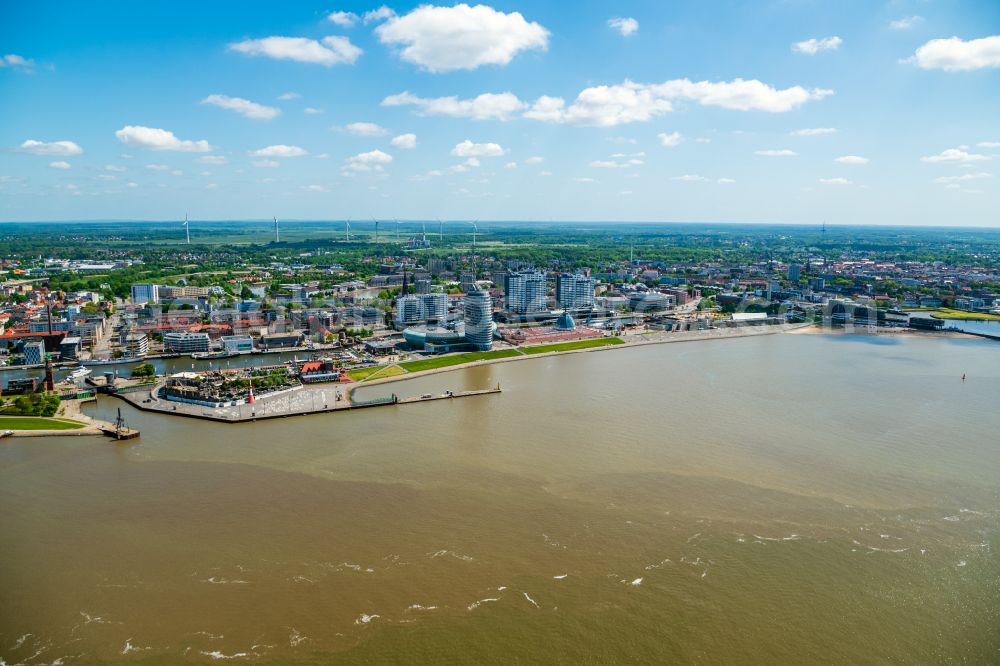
376	228
475	230
423	229
187	229
440	230
397	228
347	228
277	235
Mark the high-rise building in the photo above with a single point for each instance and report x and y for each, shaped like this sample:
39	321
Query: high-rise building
468	281
434	306
422	285
145	293
524	292
794	272
413	308
479	324
408	309
574	291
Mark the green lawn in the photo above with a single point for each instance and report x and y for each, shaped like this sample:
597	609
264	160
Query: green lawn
571	346
363	373
37	423
948	313
386	371
457	359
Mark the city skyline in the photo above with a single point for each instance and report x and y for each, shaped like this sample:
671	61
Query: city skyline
789	112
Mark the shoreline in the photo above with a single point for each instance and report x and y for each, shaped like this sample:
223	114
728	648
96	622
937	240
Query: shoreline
688	336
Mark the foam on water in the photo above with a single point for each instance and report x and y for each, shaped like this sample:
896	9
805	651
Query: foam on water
449	553
534	603
216	654
560	577
365	618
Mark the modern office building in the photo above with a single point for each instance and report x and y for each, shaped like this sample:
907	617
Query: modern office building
237	343
34	353
794	272
145	293
70	348
422	285
479	326
524	292
574	291
185	342
136	344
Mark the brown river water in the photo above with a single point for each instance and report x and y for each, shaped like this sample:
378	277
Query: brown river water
775	499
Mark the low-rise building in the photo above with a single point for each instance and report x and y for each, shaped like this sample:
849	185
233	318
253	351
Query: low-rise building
185	342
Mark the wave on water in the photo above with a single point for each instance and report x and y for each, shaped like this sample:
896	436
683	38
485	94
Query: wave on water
451	553
365	618
418	607
560	577
133	648
534	603
476	604
216	654
219	580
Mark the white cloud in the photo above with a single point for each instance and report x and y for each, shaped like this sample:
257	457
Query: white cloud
14	61
954	155
152	138
534	159
641	153
365	129
115	167
689	178
311	110
243	106
670	140
488	106
343	19
834	181
621	139
784	152
404	141
158	167
814	131
380	14
266	164
176	172
288	96
851	159
963	177
626	26
607	106
374	159
814	46
510	165
279	150
989	144
957	55
725	181
442	39
607	164
211	159
60	148
131	184
906	23
469	149
60	164
314	188
327	52
584	180
544	173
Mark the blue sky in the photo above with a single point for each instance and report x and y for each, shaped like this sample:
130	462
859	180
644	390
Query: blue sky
792	111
